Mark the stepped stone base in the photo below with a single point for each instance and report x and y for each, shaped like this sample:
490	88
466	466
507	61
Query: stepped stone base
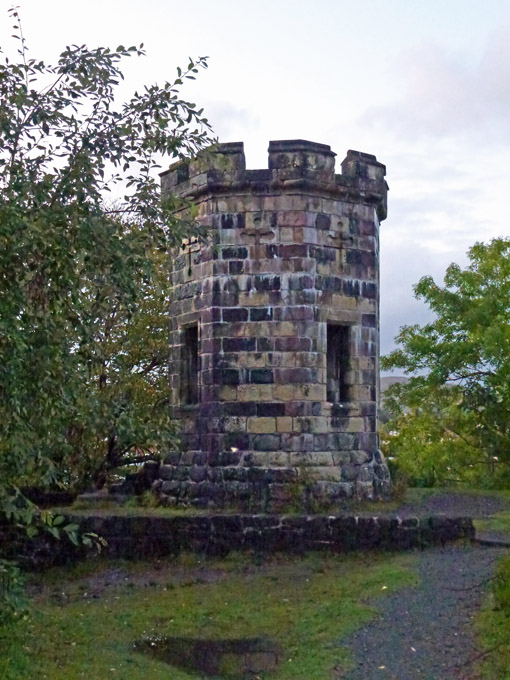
270	488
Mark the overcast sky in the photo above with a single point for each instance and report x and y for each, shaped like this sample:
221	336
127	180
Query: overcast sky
423	84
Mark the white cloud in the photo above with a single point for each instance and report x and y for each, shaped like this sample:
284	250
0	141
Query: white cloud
445	94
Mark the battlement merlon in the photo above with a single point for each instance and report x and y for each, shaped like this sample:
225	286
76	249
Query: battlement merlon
294	165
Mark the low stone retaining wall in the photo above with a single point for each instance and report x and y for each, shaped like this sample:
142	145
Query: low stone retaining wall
142	536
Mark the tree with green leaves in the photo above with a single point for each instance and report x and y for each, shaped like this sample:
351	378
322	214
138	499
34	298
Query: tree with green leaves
83	287
452	419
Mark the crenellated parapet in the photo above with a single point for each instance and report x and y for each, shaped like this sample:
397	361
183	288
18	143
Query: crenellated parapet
293	164
275	329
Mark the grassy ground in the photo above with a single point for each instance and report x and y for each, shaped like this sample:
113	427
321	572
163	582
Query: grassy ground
500	522
145	505
84	621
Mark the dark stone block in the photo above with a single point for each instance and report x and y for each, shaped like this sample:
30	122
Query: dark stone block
261	376
256	474
369	320
261	314
323	254
316	408
367	530
368	441
239	344
269	282
301	282
369	290
343	533
295	375
235	314
266	442
323	221
271	251
227	376
293	250
235	267
351	288
281	475
227	221
198	473
298	408
294	313
225	299
339	410
292	344
240	408
330	283
270	409
182	173
353	256
234	474
231	253
236	440
226	524
266	344
199	458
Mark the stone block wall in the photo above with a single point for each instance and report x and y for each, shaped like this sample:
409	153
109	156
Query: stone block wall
275	329
136	537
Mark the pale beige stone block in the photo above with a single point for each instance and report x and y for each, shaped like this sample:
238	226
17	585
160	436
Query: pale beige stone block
344	302
248	393
285	392
227	393
354	425
310	392
253	298
316	458
359	457
341	457
284	424
288	359
251	360
259	458
278	458
266	392
261	425
360	393
286	234
283	328
326	474
298	235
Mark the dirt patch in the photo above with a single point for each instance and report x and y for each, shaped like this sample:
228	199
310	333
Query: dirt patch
237	659
98	584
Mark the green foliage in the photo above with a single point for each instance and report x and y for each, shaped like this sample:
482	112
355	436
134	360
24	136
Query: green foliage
450	422
13	599
83	285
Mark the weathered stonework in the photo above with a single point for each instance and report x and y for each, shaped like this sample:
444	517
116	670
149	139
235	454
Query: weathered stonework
275	329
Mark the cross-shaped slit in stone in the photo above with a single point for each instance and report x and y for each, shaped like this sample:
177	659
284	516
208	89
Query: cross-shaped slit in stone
190	245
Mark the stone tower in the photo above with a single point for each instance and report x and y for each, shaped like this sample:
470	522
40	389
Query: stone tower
275	329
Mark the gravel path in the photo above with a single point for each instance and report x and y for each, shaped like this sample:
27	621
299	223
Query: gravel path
426	632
